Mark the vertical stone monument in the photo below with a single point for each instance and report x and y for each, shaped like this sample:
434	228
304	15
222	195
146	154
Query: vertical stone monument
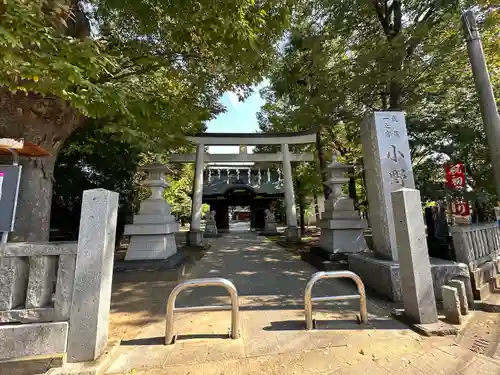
211	226
341	225
152	234
387	164
270	227
387	168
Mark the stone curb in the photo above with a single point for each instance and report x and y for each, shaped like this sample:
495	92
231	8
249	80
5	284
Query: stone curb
97	367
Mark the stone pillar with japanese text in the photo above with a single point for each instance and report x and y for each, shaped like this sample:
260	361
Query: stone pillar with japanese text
388	167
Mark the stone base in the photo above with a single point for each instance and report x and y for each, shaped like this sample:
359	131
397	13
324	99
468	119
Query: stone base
342	240
486	279
271	228
33	365
322	264
327	255
97	367
382	276
25	340
148	247
150	264
269	234
171	269
433	329
210	229
292	234
194	238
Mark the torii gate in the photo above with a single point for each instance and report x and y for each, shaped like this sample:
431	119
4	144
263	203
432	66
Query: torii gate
245	139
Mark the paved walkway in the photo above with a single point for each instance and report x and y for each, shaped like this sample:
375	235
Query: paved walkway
270	282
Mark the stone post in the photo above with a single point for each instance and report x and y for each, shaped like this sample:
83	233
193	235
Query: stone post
88	328
415	268
152	235
14	273
341	225
195	235
292	231
387	162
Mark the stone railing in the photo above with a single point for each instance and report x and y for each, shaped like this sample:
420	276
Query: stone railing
476	244
55	297
29	272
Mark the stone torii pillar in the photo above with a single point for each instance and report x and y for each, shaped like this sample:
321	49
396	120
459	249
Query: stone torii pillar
292	231
195	235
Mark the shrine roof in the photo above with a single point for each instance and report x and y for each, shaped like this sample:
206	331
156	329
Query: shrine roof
27	149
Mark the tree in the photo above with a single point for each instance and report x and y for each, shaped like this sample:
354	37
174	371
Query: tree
93	158
344	59
152	69
179	191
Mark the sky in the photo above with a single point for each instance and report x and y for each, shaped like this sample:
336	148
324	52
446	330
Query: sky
240	117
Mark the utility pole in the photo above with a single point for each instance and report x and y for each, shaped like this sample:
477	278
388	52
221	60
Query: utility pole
487	102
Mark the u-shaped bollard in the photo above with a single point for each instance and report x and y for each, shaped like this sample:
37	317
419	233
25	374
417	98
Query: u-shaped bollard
308	299
234	307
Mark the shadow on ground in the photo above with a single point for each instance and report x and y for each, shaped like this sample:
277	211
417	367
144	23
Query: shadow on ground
266	276
342	324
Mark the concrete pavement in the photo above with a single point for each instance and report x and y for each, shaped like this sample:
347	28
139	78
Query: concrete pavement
270	282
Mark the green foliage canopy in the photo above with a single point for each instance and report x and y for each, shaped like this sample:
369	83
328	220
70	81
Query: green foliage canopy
343	59
156	66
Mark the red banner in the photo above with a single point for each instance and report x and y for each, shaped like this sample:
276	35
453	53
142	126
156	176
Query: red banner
455	175
460	208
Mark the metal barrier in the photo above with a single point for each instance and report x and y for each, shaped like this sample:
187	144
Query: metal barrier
308	300
234	307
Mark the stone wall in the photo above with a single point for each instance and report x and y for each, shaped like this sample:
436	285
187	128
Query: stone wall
44	285
28	309
478	246
383	276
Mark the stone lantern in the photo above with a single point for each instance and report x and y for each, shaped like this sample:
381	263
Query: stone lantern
341	225
152	234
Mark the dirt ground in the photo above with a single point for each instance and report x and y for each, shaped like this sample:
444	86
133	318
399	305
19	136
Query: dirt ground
134	304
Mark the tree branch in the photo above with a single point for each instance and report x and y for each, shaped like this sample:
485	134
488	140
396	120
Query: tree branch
398	17
426	15
416	41
143	70
381	18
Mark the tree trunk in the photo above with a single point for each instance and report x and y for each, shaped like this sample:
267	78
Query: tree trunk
35	199
316	209
302	217
394	95
322	163
47	122
353	194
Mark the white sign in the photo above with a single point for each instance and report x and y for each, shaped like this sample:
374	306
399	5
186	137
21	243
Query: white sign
395	150
11	143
